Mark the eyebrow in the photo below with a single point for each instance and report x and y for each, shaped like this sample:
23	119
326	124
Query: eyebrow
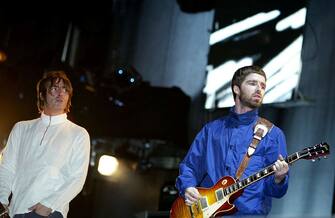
253	80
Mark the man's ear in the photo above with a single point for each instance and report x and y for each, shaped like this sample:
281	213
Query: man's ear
236	90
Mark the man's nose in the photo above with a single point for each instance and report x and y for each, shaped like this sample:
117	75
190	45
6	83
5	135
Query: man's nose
260	85
259	88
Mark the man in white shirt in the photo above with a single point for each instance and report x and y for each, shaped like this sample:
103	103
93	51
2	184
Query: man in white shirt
45	161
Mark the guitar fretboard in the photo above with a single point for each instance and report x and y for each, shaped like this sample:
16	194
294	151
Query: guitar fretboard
257	176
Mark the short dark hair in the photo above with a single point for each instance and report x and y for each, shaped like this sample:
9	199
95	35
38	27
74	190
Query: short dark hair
49	79
242	73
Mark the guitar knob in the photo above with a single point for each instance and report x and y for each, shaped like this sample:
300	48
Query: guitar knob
313	160
325	157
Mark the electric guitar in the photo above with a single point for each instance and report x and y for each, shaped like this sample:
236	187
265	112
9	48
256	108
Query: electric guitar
3	212
217	200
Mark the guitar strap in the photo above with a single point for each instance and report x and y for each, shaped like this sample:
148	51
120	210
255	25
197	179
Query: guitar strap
261	128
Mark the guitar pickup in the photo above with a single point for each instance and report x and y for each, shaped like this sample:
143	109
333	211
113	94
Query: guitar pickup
203	203
219	194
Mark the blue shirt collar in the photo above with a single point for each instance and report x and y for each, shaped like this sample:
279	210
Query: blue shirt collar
242	119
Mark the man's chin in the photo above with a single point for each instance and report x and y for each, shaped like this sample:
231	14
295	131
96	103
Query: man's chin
255	104
252	103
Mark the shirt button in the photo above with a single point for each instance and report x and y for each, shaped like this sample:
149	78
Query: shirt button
227	168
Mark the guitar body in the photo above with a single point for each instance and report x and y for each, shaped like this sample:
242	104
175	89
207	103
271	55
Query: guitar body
217	208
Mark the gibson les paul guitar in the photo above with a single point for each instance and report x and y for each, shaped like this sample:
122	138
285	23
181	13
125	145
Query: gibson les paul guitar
3	212
217	200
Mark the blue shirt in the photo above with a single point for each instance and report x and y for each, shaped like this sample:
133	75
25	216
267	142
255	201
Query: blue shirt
218	150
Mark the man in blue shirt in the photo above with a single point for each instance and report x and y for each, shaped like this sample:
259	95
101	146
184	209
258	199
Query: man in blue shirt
221	145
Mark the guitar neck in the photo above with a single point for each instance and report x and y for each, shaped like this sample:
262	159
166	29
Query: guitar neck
257	176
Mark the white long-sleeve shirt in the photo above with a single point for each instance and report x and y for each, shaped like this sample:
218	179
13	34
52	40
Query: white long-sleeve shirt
45	161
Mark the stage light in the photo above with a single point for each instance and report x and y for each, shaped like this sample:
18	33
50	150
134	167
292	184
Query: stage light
120	71
3	56
108	165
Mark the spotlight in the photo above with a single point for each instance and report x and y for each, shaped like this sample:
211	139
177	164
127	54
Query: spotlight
3	56
108	165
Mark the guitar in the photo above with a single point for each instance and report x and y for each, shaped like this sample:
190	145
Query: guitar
3	212
217	200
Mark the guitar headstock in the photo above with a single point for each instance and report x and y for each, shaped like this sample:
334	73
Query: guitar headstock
315	152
